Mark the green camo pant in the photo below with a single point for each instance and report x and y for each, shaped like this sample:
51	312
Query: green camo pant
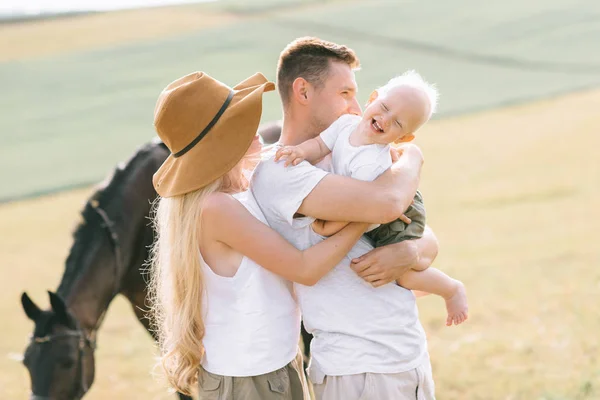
398	231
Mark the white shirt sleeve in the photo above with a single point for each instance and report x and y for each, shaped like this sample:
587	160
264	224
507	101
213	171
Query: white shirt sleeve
329	136
281	190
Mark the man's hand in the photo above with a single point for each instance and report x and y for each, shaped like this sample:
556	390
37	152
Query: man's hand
386	264
397	151
405	219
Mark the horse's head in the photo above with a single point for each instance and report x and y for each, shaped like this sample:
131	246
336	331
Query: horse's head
60	356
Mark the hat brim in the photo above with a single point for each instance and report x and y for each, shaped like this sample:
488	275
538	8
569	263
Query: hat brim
222	147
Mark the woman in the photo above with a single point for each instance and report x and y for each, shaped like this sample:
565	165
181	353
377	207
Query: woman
222	320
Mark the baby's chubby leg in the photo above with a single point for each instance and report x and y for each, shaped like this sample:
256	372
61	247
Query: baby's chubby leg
434	281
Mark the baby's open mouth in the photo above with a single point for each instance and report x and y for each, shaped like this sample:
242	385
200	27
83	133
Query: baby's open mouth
376	126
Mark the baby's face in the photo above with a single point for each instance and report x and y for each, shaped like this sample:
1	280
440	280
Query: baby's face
394	116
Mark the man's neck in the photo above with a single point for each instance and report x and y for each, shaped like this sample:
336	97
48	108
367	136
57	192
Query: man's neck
296	130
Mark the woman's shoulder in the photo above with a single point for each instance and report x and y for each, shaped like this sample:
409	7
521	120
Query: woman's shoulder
218	202
222	210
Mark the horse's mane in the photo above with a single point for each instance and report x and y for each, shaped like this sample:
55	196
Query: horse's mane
111	190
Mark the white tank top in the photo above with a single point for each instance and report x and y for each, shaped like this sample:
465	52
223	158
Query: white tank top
252	320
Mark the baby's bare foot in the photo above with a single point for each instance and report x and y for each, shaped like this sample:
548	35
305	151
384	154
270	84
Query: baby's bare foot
457	306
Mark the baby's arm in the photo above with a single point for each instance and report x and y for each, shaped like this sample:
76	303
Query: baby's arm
328	228
315	149
311	150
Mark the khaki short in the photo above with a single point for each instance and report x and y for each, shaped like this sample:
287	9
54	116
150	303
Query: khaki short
287	383
416	384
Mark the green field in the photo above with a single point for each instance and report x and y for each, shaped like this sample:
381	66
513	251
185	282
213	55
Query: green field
70	115
511	178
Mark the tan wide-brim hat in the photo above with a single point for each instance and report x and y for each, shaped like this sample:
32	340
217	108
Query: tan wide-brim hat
207	126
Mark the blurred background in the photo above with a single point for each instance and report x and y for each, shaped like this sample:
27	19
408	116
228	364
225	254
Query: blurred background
511	179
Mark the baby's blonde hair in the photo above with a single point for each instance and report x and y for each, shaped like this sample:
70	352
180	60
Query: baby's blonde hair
176	287
414	80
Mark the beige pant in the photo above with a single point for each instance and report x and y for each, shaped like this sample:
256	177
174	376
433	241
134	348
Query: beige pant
416	384
287	383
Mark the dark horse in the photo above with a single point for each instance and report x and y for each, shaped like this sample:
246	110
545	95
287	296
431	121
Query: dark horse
107	258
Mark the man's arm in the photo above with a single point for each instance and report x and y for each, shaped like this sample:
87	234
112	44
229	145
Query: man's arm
419	293
338	198
386	264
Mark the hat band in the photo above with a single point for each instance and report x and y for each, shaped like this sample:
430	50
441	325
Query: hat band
208	127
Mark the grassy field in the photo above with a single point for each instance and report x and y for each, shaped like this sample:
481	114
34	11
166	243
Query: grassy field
513	195
512	192
80	91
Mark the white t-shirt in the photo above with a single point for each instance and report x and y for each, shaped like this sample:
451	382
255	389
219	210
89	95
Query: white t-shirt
356	328
360	162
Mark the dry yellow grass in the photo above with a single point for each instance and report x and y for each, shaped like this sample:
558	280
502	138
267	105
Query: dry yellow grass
46	37
513	195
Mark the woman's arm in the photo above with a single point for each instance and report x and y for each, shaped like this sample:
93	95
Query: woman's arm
227	220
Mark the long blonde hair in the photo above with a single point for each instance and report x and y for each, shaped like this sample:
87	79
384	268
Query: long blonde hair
176	281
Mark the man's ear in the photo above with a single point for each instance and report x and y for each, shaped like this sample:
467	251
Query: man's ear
404	139
301	90
372	97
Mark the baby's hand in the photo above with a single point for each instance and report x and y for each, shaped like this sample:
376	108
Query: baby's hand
293	155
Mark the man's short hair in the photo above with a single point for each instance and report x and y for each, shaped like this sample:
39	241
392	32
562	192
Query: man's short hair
309	58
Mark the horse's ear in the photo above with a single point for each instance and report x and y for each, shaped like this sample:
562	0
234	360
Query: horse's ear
31	310
59	308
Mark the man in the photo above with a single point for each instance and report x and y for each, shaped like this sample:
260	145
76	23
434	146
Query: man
368	341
